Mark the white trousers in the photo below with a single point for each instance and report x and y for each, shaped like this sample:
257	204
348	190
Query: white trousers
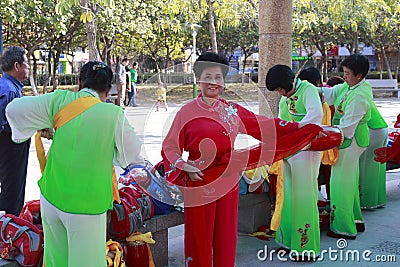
73	240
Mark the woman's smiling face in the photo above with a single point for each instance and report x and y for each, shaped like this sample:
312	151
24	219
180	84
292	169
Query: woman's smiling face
211	82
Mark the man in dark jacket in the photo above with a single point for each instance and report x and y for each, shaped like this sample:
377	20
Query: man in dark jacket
13	157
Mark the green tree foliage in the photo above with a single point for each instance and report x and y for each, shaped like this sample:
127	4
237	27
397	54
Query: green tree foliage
35	24
320	23
160	29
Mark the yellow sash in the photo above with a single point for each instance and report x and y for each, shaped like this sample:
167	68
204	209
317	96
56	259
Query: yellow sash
63	116
277	169
328	157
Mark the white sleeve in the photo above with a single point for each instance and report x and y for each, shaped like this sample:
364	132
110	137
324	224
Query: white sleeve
128	144
313	105
330	93
28	114
354	112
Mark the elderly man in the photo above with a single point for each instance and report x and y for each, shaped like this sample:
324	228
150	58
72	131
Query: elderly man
13	157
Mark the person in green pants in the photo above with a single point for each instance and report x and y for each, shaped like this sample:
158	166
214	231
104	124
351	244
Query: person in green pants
372	173
299	225
352	101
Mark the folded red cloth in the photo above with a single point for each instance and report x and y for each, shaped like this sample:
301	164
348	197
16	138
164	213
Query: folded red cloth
262	154
329	138
311	136
397	123
385	154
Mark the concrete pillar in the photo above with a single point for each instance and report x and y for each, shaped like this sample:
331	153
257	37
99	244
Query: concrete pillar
275	44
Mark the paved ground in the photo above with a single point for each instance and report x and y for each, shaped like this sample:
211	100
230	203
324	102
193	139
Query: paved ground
381	238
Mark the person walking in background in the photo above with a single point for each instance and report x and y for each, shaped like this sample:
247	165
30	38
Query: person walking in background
121	82
76	184
373	174
299	224
352	101
161	94
134	78
13	157
128	85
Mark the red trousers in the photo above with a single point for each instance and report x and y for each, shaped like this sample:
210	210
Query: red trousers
211	232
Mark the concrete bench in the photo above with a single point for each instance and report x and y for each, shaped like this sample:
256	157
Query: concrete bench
113	94
384	85
158	226
254	211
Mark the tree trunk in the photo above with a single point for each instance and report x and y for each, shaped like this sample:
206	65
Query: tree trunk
380	64
211	26
34	69
355	41
91	29
397	65
49	72
386	61
244	64
275	43
31	75
55	69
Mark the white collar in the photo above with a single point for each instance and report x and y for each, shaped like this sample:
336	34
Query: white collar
91	91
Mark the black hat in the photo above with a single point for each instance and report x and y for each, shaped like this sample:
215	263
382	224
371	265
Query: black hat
210	59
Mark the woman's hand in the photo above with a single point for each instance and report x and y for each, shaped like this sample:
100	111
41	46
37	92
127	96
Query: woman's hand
193	172
47	133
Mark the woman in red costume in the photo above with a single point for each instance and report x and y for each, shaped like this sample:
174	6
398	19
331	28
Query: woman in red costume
207	128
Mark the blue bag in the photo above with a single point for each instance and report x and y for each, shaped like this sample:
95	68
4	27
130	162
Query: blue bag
165	197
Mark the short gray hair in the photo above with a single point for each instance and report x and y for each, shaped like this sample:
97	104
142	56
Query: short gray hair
11	55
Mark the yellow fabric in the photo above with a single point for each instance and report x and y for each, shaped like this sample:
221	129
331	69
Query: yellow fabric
114	254
146	238
139	237
264	234
260	172
40	151
66	114
73	109
115	192
328	157
277	169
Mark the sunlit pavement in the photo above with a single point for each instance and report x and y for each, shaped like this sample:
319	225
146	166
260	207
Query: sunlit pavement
380	241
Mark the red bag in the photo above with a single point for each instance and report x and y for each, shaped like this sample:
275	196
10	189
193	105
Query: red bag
126	217
136	254
136	194
31	213
21	241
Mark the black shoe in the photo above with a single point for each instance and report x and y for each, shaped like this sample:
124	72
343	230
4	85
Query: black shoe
360	227
335	235
135	105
